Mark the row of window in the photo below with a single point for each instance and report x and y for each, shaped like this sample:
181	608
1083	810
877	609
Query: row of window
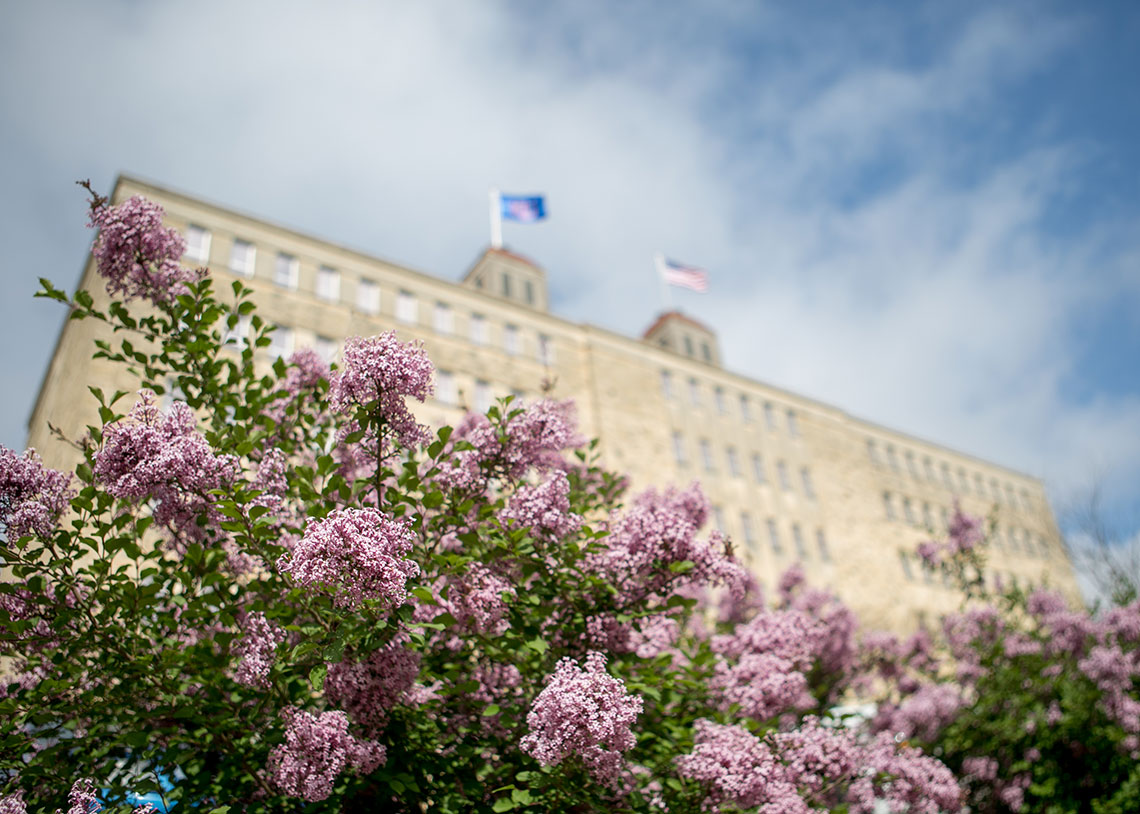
721	401
775	539
735	468
1011	538
943	476
913	568
407	307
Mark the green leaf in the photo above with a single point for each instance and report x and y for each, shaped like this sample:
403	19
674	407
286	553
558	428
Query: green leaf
504	804
317	676
433	500
538	645
492	709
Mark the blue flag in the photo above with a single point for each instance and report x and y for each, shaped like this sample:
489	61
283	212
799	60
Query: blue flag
522	208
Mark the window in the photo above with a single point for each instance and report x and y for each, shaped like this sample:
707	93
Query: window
718	519
678	449
478	329
947	481
325	348
927	516
769	415
506	285
911	465
694	393
721	404
528	289
666	384
798	539
746	527
908	511
908	570
511	339
963	481
774	537
479	281
328	284
706	354
443	319
945	514
733	462
407	310
1011	497
197	244
793	424
286	270
821	544
782	472
688	345
368	296
706	455
979	485
928	467
1025	504
873	452
242	258
482	396
758	471
995	490
1012	537
745	408
809	485
889	505
445	387
280	342
892	459
545	350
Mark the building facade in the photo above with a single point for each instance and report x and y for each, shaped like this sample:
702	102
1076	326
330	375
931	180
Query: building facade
790	479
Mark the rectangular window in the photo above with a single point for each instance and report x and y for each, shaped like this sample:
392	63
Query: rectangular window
506	284
528	289
243	258
678	449
746	528
325	348
706	455
947	480
798	539
908	569
407	309
911	465
758	470
478	329
328	284
873	452
688	345
718	519
821	544
774	537
706	353
892	458
908	511
666	384
694	393
1011	497
443	319
928	467
809	485
511	339
545	350
769	415
994	490
367	296
927	516
745	408
963	481
482	396
733	462
286	270
793	424
889	505
721	404
445	391
280	342
197	244
945	515
782	472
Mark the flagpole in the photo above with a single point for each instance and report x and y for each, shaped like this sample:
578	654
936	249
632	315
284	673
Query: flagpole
496	220
659	264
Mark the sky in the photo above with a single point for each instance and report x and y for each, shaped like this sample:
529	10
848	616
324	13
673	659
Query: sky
925	213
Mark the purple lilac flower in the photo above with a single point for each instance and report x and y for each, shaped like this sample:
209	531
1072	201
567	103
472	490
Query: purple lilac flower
317	749
368	690
384	370
13	804
737	770
32	497
137	255
81	799
477	598
583	712
544	509
356	554
257	649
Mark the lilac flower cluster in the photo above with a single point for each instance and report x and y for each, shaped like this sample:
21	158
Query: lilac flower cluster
357	554
544	509
964	535
813	767
32	497
476	598
257	649
368	690
137	255
305	371
660	531
585	713
317	749
835	646
382	371
13	804
151	456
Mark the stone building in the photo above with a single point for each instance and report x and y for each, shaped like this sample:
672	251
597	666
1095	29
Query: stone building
791	479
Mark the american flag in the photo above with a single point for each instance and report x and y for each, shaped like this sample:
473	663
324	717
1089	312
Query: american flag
678	274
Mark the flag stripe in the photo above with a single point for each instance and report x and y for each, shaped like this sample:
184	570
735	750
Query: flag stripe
690	277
